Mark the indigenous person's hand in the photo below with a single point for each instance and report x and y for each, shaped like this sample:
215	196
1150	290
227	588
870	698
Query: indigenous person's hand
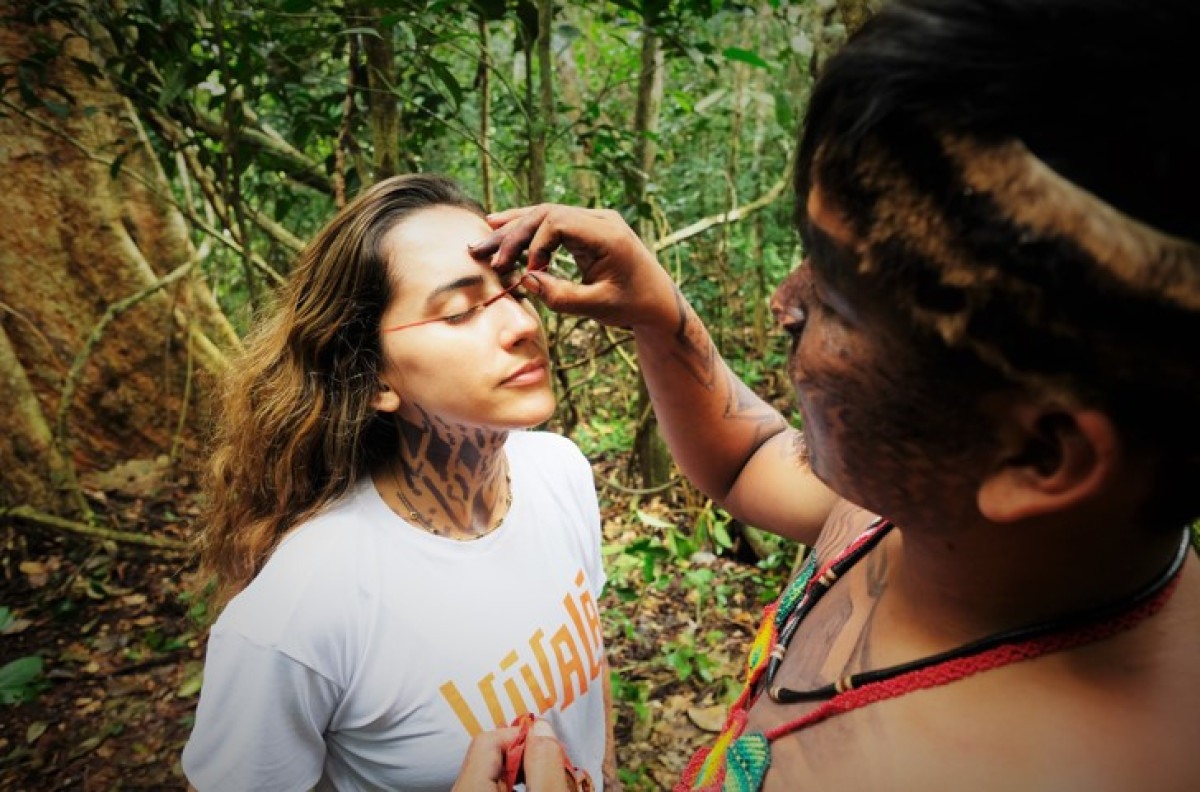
622	282
483	767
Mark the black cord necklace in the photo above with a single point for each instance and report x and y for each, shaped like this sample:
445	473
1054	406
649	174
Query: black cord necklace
1071	622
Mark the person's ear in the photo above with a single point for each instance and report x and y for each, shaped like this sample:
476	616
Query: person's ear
1051	461
386	400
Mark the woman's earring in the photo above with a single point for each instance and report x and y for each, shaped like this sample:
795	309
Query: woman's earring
386	399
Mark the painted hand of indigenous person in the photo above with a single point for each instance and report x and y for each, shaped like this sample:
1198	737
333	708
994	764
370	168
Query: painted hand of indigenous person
483	767
621	281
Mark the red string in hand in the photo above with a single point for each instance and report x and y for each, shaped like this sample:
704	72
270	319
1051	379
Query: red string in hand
514	760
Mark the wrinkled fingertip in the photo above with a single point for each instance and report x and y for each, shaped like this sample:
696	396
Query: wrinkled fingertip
533	284
482	247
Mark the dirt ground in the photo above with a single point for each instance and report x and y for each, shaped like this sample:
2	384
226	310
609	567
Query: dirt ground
121	641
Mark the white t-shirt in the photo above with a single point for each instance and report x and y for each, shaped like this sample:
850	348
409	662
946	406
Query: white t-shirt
367	652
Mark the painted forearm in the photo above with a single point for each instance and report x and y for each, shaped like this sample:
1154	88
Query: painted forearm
712	422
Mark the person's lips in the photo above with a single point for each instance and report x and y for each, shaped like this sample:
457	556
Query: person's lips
532	373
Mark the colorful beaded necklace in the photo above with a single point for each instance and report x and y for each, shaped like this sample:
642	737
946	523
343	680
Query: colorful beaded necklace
738	761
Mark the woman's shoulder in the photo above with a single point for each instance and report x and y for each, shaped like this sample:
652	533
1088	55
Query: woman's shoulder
311	572
544	449
540	439
333	533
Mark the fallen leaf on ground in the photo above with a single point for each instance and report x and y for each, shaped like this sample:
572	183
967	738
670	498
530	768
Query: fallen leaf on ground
35	730
709	719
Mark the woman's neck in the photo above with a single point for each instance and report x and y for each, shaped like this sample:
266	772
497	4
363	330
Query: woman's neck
450	480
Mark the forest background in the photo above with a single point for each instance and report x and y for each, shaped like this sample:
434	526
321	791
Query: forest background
164	162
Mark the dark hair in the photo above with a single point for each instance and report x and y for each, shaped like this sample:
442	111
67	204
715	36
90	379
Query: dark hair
296	426
1021	174
1102	91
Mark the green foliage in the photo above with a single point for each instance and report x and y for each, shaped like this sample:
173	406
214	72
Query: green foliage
260	114
645	555
603	435
635	694
685	660
21	679
197	604
266	107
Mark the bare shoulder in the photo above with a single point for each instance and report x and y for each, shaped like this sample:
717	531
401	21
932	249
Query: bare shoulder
846	522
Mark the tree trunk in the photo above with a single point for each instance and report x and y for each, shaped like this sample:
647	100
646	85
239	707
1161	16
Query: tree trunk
76	240
651	456
484	85
571	88
645	126
543	115
383	112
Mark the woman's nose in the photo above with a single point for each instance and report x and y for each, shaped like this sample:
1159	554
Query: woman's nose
518	320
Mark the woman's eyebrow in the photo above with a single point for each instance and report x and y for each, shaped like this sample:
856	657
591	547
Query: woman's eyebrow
465	282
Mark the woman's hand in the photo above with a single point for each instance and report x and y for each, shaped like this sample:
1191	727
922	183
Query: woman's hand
544	768
483	767
622	282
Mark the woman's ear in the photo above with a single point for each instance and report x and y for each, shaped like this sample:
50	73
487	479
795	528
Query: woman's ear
386	400
1052	460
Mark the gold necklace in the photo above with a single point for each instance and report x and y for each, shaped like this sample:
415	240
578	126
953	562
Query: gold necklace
419	520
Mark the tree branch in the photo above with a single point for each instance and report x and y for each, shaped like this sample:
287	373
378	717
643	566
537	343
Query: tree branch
732	216
286	239
30	515
276	153
76	371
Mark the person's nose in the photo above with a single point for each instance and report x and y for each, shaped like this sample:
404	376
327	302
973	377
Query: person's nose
785	294
518	321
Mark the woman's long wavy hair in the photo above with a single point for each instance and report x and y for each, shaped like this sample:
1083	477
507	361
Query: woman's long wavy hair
296	426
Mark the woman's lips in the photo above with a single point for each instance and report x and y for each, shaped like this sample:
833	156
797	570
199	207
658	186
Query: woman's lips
533	373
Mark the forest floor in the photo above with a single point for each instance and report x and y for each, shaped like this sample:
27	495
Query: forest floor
121	643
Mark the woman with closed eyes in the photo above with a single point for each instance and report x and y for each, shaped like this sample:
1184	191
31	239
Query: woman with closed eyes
405	564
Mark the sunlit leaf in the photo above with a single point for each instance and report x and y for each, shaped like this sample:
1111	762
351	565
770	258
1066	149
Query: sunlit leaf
654	522
720	534
191	685
745	56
